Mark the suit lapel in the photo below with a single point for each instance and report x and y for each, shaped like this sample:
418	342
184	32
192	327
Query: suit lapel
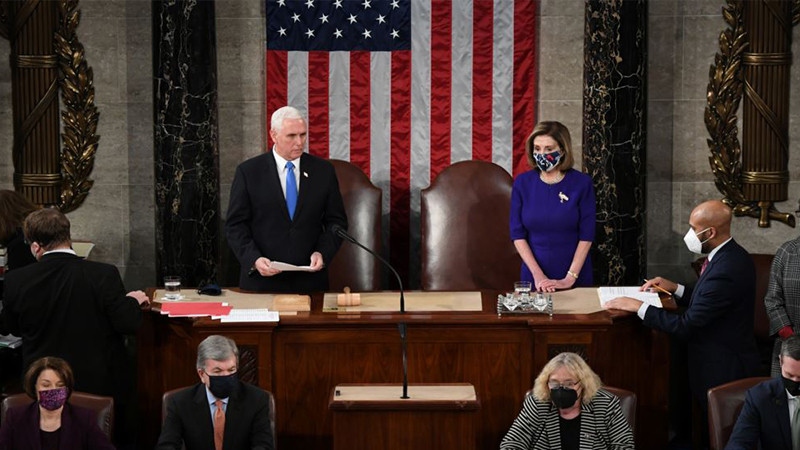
711	264
553	431
305	181
274	182
33	426
781	407
233	416
202	415
588	428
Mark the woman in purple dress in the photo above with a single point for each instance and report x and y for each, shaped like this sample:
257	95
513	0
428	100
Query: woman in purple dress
553	213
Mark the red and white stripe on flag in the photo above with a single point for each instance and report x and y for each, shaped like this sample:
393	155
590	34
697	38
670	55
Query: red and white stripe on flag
466	90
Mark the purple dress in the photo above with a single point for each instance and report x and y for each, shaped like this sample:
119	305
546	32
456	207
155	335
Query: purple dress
552	218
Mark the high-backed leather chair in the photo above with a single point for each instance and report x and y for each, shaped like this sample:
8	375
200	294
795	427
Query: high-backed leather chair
102	406
352	266
627	401
764	342
168	396
724	404
466	242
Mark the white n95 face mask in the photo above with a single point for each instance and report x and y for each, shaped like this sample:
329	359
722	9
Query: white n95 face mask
693	242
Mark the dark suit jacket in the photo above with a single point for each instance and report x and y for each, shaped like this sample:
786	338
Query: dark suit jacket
189	421
79	429
764	419
258	222
77	310
718	323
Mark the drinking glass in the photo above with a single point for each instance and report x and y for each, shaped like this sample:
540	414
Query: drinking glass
172	288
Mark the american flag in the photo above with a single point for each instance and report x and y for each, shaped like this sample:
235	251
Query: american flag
404	88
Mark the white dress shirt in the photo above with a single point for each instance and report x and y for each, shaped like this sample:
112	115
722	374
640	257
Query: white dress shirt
61	250
681	288
793	399
280	164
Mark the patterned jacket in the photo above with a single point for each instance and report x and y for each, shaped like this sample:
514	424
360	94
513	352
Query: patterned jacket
783	293
603	426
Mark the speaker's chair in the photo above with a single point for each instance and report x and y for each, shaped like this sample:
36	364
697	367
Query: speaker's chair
353	266
466	243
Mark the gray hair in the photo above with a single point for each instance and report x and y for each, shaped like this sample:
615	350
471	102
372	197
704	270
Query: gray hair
791	347
218	348
281	114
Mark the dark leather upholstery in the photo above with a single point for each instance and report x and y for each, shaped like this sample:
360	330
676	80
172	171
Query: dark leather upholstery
724	404
352	266
627	401
168	395
466	243
764	341
103	406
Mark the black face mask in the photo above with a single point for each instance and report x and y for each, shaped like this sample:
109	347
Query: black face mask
563	398
222	386
792	386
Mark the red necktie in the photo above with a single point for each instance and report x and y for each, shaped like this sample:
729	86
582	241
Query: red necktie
219	425
705	264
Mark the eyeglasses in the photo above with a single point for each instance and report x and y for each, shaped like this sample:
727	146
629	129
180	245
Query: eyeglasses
569	384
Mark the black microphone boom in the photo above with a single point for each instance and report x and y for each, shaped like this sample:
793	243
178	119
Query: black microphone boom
342	233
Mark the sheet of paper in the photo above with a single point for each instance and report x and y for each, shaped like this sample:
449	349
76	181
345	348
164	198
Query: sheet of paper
251	315
286	267
10	341
606	293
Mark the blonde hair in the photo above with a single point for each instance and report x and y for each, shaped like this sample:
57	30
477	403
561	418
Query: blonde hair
559	132
589	380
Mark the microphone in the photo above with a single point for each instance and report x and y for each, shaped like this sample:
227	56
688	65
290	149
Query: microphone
342	233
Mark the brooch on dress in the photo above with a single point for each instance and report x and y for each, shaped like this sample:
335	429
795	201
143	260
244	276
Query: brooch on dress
563	197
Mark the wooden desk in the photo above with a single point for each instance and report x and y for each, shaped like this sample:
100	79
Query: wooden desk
302	358
436	416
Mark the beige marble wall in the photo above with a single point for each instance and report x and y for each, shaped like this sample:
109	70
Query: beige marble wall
240	67
561	67
118	214
683	38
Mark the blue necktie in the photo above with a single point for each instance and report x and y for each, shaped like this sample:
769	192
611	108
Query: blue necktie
291	189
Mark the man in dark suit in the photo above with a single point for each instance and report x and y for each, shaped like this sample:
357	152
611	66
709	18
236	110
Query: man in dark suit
718	321
282	207
220	411
770	417
74	309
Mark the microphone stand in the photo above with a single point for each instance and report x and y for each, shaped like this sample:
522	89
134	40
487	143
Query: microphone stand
339	231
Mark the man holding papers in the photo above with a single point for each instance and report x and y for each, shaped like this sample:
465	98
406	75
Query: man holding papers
282	207
718	321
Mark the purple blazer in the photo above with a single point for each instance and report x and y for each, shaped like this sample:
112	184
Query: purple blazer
79	429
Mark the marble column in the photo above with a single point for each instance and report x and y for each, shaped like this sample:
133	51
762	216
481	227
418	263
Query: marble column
186	151
614	136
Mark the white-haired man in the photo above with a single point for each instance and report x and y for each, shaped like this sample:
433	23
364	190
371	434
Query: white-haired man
219	412
282	208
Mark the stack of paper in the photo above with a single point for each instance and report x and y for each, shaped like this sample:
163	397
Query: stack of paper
607	293
250	315
195	309
10	341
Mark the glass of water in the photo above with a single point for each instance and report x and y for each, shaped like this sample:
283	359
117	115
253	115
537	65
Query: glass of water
522	288
172	288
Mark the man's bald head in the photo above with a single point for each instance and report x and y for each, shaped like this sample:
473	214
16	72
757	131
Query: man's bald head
715	217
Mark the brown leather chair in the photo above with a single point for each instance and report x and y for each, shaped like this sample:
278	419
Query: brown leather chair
352	266
627	401
466	242
168	396
764	342
724	404
103	406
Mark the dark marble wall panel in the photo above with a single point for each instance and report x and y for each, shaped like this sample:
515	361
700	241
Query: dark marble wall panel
186	153
614	135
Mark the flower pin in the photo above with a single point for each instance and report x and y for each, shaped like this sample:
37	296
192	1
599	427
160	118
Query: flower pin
563	197
305	174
